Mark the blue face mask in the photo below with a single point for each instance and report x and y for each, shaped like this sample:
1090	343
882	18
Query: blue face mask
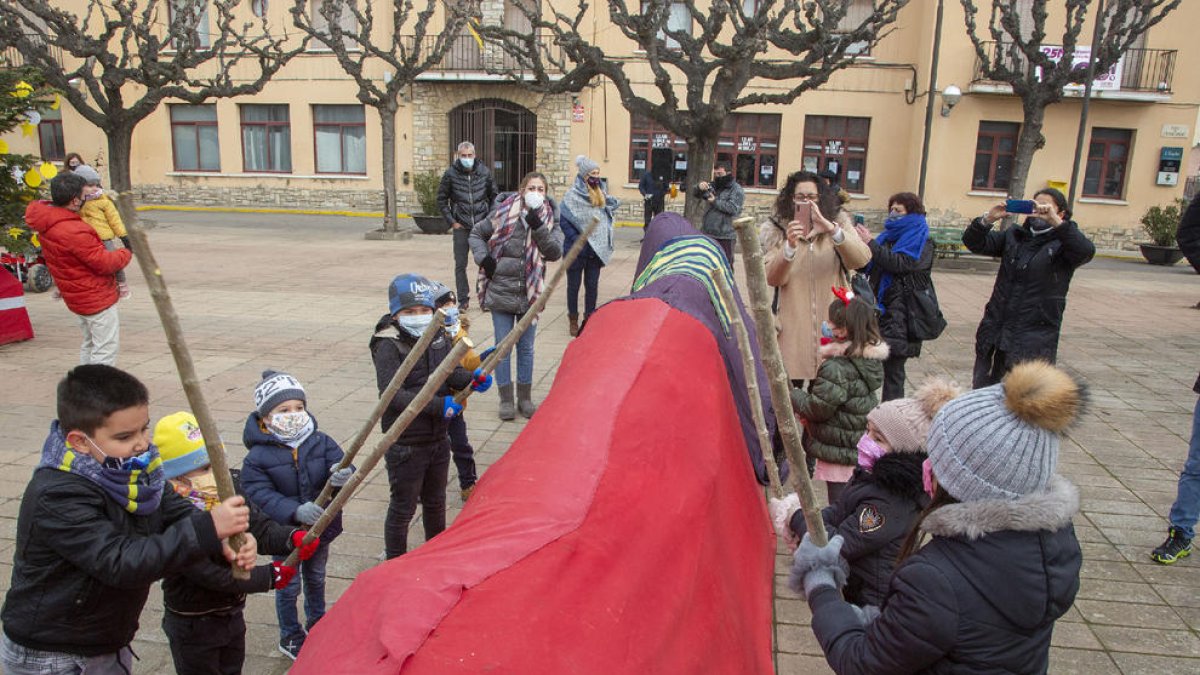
451	316
414	324
467	162
826	330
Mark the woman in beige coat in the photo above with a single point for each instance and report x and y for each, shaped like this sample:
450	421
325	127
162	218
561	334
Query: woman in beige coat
806	254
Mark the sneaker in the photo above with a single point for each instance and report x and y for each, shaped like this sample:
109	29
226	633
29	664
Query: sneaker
123	290
1174	548
290	647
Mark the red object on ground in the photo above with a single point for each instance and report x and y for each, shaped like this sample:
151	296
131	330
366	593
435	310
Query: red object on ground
14	320
623	532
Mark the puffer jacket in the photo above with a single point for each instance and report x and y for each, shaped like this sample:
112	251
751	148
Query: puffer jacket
1188	235
1024	316
874	515
466	196
980	598
82	268
727	205
835	407
278	478
103	216
390	345
907	274
506	292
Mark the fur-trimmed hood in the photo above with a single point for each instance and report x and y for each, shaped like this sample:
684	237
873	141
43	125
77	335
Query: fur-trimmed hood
876	352
1048	510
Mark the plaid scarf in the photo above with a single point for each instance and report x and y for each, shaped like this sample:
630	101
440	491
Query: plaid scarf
694	257
137	491
505	219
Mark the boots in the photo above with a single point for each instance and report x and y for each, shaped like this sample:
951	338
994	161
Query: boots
524	404
507	410
573	329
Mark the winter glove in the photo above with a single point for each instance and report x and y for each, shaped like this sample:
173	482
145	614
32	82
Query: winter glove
339	477
308	513
866	613
450	409
782	510
283	575
480	381
126	243
304	551
815	566
532	219
489	266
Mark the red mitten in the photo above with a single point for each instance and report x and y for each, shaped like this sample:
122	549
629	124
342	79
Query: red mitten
283	575
306	551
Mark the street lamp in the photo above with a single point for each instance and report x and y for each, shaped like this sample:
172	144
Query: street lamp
951	95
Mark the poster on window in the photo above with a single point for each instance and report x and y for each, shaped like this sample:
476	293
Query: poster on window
639	164
577	111
810	163
747	144
662	141
1106	81
834	148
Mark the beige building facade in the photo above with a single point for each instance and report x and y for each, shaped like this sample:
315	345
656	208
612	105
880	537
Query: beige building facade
305	142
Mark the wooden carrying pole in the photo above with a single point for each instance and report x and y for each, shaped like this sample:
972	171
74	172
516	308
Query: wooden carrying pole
183	362
423	397
385	399
748	367
781	399
506	345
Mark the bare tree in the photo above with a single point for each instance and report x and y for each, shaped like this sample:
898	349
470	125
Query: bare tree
700	76
119	60
382	59
1037	75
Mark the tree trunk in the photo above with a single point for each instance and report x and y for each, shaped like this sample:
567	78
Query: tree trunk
120	150
387	126
1030	141
701	159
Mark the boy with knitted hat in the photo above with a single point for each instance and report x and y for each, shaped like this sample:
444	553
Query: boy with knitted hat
288	463
203	604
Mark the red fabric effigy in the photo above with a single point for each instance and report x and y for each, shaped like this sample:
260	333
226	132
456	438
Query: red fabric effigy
623	532
14	319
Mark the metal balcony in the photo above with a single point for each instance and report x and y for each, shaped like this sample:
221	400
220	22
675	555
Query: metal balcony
1145	71
467	59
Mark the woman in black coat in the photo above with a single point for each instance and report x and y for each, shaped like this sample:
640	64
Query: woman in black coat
1037	260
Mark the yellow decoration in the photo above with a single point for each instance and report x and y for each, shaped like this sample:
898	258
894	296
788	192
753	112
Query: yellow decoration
57	103
14	232
22	89
27	129
47	170
33	178
33	239
3	147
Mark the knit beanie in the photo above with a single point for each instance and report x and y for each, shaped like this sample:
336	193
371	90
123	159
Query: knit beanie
1001	442
180	444
410	290
274	389
442	294
904	422
586	165
88	174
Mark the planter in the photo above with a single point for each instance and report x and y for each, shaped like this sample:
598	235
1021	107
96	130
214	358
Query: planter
1161	255
432	224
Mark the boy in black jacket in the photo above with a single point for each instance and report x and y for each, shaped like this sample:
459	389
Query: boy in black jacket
96	529
418	464
203	605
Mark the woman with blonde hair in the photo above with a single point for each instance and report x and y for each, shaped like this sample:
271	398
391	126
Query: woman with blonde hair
584	201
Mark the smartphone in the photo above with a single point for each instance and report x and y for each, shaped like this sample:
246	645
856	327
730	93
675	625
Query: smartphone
804	214
1019	205
860	219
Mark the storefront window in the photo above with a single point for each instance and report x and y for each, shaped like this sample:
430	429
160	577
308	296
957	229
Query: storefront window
838	144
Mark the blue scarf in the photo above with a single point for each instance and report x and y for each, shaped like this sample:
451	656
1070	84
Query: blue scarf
907	235
137	491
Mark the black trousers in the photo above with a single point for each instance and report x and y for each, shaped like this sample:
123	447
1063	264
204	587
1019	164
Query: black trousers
652	207
213	644
990	368
585	272
462	251
727	246
893	377
464	454
416	474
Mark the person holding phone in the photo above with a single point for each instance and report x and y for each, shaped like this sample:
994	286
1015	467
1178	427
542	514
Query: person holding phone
1023	318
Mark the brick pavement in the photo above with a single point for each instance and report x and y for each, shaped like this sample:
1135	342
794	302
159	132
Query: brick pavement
301	293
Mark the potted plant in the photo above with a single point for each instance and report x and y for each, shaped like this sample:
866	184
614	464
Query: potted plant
425	184
1161	223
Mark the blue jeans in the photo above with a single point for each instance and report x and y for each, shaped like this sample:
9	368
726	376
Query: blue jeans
19	660
312	571
585	273
503	324
1186	508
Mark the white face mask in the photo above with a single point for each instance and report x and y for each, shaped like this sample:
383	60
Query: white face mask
414	324
289	426
467	162
534	200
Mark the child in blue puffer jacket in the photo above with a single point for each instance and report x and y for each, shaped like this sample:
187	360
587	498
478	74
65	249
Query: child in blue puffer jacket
286	468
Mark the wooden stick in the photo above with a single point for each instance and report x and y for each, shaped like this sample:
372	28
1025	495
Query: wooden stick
506	345
781	399
748	366
423	397
183	361
385	399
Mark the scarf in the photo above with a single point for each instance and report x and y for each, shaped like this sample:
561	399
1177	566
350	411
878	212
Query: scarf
578	209
693	257
907	235
505	219
138	492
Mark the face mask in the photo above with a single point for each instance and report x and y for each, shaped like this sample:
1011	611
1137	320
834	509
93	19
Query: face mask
869	450
451	316
593	181
289	426
826	330
1038	225
927	477
723	181
467	162
95	195
134	463
414	324
534	200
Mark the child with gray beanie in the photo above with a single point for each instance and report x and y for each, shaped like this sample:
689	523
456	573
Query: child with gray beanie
99	212
1002	562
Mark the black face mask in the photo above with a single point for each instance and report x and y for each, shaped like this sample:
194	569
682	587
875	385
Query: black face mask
722	182
1037	224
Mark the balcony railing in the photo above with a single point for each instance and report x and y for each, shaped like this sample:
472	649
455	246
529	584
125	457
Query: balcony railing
1142	70
465	55
13	57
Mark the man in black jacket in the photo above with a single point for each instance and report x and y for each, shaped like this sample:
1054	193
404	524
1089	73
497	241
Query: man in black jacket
465	198
1188	235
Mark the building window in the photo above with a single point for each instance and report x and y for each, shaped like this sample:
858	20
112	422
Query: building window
679	19
192	18
266	139
194	138
838	144
259	8
995	148
345	19
653	148
340	133
50	136
1108	155
750	144
857	11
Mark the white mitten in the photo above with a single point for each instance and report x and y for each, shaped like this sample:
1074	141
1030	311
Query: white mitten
782	510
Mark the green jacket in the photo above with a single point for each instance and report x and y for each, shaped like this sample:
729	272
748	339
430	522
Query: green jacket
836	405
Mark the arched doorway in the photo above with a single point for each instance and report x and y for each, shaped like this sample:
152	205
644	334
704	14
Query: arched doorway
504	134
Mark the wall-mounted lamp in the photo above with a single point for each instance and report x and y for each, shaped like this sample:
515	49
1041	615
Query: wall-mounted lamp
951	95
76	83
404	177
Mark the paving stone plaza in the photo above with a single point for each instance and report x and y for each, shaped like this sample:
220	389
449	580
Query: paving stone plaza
302	294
